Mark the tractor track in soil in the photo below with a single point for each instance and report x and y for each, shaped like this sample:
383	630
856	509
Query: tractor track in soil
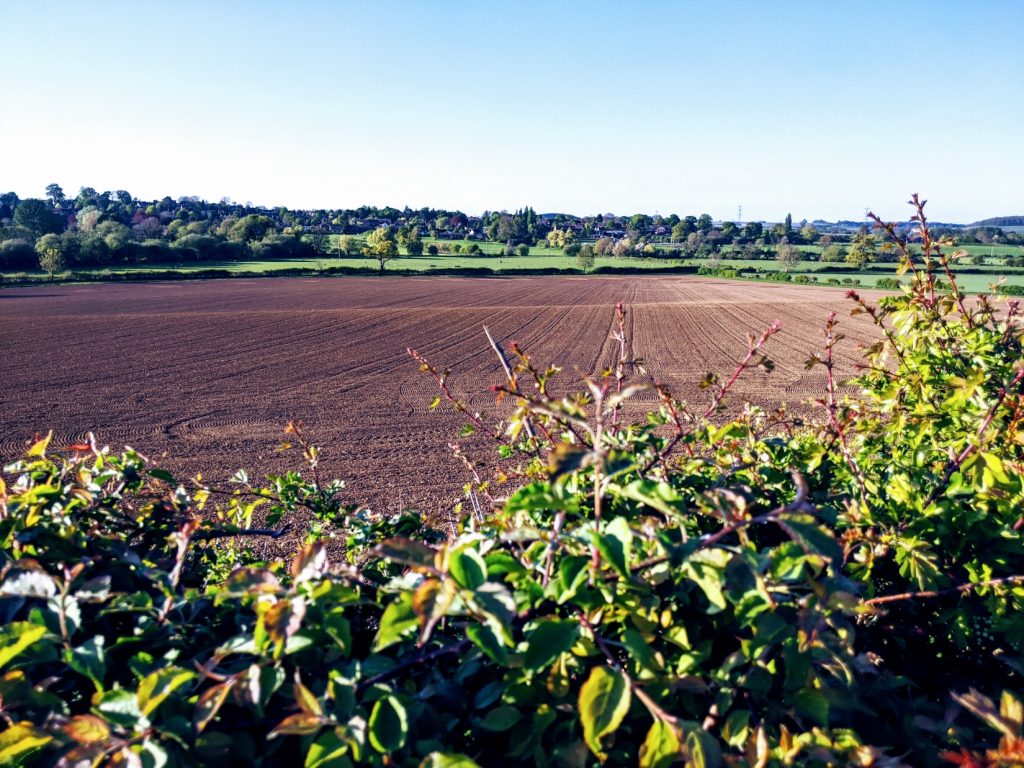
205	375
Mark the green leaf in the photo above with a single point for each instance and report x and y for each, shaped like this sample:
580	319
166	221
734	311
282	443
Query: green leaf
604	702
20	740
660	496
616	544
16	637
467	567
328	751
707	569
812	704
388	726
163	474
89	659
549	640
447	760
702	749
737	728
809	534
121	707
661	747
640	651
500	718
399	619
486	640
156	687
38	448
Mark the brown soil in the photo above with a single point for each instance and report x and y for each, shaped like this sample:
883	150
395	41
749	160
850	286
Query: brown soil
203	376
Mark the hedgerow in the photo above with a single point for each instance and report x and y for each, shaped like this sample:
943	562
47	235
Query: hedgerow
679	588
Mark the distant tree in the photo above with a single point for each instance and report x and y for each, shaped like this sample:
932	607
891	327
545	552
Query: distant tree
808	233
639	222
50	248
320	243
604	246
752	230
523	250
787	255
680	230
704	223
694	242
115	234
572	249
863	249
55	194
94	250
149	227
559	238
788	224
414	247
825	241
10	199
730	230
585	257
346	246
86	196
623	247
123	197
833	253
381	245
17	254
250	228
35	215
88	218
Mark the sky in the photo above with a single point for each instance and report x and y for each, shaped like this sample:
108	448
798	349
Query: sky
819	108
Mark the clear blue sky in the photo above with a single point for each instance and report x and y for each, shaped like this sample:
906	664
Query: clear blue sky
819	108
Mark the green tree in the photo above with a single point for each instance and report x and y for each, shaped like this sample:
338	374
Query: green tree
250	228
833	253
585	257
381	245
752	230
86	196
681	229
704	223
559	238
320	243
55	194
787	255
346	246
36	216
50	248
114	234
17	254
863	249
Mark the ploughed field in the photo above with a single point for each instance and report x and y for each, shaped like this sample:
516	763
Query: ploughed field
210	372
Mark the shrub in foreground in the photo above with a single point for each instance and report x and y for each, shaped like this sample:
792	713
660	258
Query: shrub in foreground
674	589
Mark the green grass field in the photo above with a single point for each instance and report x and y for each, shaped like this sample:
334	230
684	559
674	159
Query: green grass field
548	258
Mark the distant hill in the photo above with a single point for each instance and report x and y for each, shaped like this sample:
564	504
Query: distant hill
1000	221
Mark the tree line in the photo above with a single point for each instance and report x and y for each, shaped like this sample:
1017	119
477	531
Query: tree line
97	229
